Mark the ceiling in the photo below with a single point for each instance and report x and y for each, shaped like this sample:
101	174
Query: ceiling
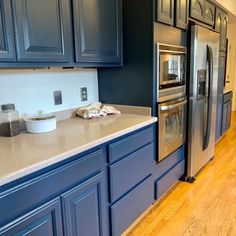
230	7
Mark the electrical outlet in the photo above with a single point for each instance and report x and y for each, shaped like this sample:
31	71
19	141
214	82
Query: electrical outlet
57	98
84	94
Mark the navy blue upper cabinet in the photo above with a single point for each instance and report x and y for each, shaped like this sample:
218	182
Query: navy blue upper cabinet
165	11
7	46
97	31
197	9
42	30
209	17
181	19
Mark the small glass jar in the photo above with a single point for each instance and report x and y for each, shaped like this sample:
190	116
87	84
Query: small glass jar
9	121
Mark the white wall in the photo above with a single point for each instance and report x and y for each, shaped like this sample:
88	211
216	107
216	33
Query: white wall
32	90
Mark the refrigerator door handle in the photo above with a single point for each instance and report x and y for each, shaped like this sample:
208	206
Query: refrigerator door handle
210	97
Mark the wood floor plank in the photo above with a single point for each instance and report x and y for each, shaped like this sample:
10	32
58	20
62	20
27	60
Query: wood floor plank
206	207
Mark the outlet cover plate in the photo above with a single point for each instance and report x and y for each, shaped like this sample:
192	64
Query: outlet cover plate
84	94
57	98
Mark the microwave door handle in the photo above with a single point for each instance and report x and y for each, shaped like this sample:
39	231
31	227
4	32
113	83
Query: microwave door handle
170	107
210	94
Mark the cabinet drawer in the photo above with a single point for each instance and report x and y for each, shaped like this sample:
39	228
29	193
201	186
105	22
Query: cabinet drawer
128	145
130	171
129	208
47	186
169	162
169	179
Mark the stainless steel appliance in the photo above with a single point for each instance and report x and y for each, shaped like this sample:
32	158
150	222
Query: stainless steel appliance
172	126
202	100
171	71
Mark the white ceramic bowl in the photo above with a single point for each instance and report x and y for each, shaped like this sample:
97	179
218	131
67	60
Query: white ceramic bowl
38	125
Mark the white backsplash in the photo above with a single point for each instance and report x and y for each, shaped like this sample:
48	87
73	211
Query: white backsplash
32	90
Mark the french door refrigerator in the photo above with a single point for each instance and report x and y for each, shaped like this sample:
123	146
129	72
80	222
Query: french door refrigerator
204	56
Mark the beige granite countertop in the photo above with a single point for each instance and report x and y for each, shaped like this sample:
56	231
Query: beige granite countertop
27	153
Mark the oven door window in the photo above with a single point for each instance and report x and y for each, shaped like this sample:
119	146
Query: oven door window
171	69
171	130
173	125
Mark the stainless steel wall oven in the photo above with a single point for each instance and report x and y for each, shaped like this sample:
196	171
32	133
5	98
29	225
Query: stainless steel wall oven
172	126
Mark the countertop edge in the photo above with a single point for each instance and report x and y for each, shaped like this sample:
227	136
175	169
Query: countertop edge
58	158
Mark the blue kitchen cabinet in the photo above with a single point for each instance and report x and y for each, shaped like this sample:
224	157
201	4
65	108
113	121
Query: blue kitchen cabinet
44	220
97	32
226	121
169	171
102	190
227	108
7	46
83	208
131	189
42	30
220	93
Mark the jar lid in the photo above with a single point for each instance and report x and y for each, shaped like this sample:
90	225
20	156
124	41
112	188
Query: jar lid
9	106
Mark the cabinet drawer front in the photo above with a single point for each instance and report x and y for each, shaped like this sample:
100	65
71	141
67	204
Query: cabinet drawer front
45	220
169	162
169	179
48	186
129	208
130	144
130	171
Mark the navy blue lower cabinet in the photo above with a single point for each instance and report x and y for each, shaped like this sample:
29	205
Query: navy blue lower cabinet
130	171
43	221
83	208
226	119
130	207
169	179
167	172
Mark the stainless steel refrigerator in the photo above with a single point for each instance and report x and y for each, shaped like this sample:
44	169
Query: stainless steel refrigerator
203	82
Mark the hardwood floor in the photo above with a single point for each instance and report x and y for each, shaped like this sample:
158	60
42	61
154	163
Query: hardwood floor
206	207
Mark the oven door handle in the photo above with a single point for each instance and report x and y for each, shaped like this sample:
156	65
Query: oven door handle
170	107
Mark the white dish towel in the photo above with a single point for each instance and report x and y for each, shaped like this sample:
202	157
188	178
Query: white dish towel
96	110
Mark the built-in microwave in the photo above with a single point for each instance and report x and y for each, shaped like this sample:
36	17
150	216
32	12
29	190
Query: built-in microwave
171	71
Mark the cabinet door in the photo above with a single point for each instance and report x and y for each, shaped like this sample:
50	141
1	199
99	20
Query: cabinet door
42	30
182	14
97	31
197	9
7	47
165	11
223	33
83	208
209	13
220	91
218	20
226	121
45	220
